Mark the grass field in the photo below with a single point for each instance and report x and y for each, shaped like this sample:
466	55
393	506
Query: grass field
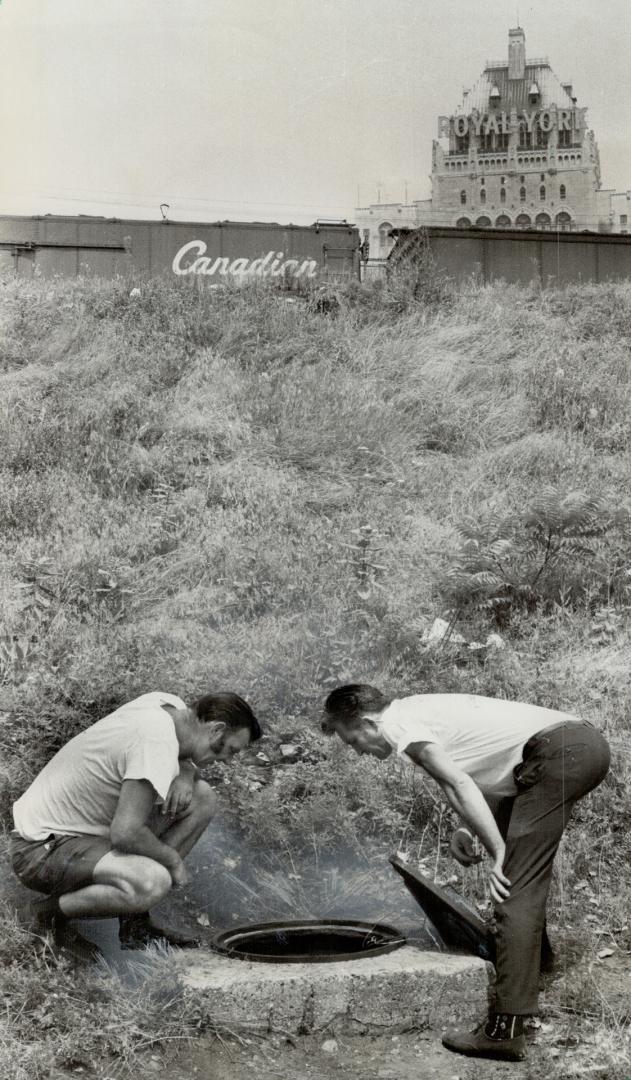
203	489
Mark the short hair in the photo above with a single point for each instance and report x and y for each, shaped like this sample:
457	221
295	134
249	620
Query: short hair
347	703
231	710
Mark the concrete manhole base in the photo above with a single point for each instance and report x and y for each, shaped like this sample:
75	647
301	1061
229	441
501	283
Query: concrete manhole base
406	987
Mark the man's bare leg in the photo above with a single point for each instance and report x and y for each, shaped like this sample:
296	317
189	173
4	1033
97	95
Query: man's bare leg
129	885
184	833
181	834
122	884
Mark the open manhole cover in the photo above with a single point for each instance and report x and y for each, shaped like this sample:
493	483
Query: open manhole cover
312	941
459	925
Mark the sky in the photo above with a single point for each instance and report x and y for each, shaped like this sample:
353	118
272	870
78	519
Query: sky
270	110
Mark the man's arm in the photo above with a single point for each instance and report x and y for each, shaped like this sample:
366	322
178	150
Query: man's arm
465	797
180	792
462	844
130	833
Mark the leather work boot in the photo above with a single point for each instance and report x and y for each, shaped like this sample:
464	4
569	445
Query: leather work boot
501	1045
138	931
64	940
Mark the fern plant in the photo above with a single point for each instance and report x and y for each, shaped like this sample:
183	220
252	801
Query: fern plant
552	551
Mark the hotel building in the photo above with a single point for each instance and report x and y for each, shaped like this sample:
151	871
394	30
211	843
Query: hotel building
516	153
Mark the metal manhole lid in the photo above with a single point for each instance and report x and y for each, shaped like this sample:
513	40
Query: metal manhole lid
460	927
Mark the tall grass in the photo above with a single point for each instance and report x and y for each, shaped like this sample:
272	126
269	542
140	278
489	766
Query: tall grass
235	491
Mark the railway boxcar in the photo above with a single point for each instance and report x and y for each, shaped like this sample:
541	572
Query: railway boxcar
214	252
519	256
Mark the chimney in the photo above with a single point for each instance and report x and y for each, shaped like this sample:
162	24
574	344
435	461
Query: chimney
516	53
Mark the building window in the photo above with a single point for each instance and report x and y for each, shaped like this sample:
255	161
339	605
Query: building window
503	222
503	195
463	223
562	191
542	221
463	198
482	196
563	222
525	138
565	138
483	222
522	179
385	241
542	193
462	144
502	141
623	219
522	221
522	194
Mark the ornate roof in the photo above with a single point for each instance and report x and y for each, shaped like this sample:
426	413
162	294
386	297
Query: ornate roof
514	93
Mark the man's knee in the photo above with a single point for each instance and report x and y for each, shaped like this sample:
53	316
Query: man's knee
150	887
204	801
143	881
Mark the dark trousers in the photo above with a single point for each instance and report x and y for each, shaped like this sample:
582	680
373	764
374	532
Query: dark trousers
559	766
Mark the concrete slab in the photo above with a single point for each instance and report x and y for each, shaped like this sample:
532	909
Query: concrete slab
409	987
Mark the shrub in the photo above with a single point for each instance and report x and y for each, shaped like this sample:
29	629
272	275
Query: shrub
549	552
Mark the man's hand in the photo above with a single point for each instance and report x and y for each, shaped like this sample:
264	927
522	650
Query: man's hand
498	882
462	848
179	795
179	873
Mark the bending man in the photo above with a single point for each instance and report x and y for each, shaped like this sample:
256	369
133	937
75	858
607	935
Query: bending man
530	765
104	827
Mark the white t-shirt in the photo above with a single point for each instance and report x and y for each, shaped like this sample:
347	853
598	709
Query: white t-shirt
77	791
483	736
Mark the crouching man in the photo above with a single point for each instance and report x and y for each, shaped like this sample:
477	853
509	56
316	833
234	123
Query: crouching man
531	765
105	826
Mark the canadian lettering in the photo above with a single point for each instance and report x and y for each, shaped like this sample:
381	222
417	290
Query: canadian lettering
192	259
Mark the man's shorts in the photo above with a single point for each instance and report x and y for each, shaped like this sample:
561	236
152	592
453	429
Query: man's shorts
59	864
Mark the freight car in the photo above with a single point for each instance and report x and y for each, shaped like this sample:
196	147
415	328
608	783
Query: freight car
215	252
520	256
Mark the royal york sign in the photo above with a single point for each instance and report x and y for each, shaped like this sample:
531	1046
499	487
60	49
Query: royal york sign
192	259
501	123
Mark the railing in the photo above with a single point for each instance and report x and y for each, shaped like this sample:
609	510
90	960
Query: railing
372	268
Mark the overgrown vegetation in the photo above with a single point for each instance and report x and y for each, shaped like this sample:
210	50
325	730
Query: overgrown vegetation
564	549
242	490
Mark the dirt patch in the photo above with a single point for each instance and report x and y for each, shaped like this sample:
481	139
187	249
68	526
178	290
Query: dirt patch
564	1047
413	1056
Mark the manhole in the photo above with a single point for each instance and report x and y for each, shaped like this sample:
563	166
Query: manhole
313	941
